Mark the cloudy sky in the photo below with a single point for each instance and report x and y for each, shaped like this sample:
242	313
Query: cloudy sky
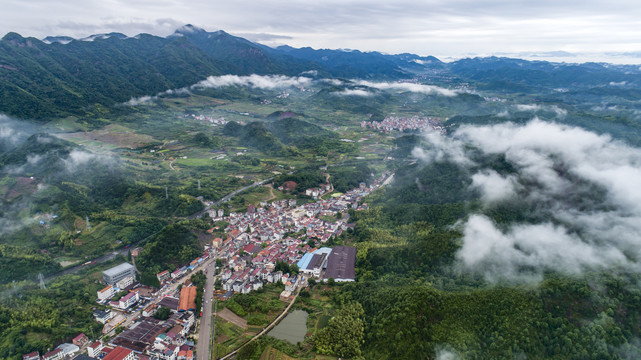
551	29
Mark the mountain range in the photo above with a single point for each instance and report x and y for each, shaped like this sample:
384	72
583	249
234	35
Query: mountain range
61	76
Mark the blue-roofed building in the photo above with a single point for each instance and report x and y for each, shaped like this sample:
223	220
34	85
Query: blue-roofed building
304	261
323	250
312	263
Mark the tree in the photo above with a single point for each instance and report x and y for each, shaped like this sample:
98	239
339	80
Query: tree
293	269
162	313
311	282
344	333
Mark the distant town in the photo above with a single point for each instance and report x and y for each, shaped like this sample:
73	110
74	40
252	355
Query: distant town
394	123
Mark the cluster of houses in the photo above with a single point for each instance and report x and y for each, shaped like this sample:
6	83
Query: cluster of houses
256	241
280	232
159	339
391	123
212	120
98	350
62	351
166	277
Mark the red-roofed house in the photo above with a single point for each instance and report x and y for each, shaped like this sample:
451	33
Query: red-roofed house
165	275
106	293
56	354
94	350
120	353
249	248
80	340
31	356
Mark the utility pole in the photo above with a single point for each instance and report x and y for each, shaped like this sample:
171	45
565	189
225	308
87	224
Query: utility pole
166	193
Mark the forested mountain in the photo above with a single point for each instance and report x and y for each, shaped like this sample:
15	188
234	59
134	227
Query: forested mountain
39	80
61	76
243	56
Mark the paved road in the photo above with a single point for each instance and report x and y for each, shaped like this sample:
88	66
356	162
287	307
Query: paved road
265	330
228	197
100	259
205	328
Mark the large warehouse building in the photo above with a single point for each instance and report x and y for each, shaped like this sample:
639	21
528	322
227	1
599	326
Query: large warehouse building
117	273
341	263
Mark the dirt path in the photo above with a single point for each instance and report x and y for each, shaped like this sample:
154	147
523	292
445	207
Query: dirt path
271	192
232	318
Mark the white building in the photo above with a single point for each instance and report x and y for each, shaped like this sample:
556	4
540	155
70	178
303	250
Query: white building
106	293
117	273
125	282
128	300
94	350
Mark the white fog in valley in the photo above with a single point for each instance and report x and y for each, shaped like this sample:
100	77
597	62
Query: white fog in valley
556	168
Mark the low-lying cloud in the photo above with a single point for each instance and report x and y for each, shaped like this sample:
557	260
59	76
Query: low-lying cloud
581	190
254	81
353	92
535	108
410	87
268	82
13	131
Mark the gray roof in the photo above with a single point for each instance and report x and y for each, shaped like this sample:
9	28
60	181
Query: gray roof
316	261
83	357
341	263
118	269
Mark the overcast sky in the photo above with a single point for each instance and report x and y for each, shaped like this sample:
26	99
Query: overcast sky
598	30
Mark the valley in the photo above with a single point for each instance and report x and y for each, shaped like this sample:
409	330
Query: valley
490	204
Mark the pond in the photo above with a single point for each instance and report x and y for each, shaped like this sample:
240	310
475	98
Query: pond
292	328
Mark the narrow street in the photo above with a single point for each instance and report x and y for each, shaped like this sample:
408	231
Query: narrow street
206	321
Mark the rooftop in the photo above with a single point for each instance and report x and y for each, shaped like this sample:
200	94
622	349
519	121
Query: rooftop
118	269
119	353
341	263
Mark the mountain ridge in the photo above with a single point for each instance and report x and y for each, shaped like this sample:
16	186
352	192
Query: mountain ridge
60	76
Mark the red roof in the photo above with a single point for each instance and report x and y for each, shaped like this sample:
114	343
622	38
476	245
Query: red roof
51	353
30	355
119	353
95	345
79	337
249	248
289	185
187	298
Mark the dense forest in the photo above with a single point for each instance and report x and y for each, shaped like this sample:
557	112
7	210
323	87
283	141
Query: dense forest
419	301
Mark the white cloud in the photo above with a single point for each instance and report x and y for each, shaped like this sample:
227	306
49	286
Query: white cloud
524	251
78	158
536	108
143	100
582	186
335	82
411	87
493	186
255	81
353	92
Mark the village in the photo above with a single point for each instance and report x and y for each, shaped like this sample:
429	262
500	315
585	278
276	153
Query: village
276	242
394	123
